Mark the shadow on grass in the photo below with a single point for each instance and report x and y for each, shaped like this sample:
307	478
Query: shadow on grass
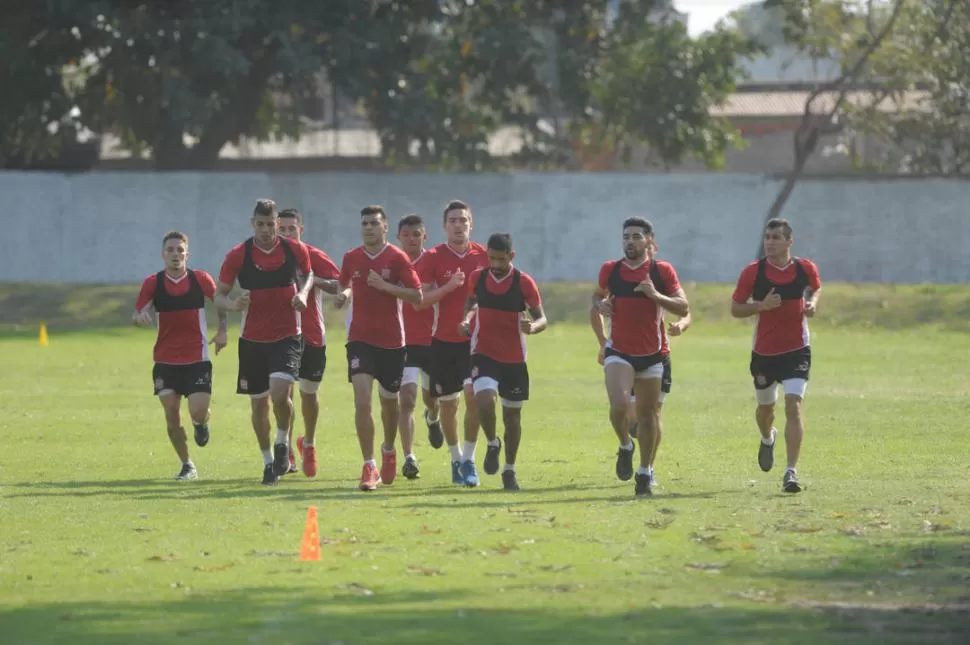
935	567
302	490
355	613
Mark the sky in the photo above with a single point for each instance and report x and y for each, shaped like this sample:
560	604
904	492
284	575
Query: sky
703	14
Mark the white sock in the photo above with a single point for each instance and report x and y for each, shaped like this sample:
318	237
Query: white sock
455	452
386	450
371	462
283	436
188	462
650	470
469	451
771	440
643	471
509	468
791	470
267	457
495	443
428	418
307	443
410	456
627	446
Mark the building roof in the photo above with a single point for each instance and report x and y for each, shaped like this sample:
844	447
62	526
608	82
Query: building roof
792	103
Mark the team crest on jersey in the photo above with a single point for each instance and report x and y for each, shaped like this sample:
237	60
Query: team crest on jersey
386	273
355	275
159	384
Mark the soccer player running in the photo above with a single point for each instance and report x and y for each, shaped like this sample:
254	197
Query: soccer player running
501	293
450	351
182	366
276	277
418	331
634	292
313	361
596	322
378	275
774	289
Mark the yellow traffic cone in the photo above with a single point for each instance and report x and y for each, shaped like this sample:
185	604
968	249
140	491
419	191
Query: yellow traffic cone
43	335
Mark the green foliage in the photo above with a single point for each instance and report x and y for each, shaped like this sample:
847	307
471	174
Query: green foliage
918	76
179	80
656	87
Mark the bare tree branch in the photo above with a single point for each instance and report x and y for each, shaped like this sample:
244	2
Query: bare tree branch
813	124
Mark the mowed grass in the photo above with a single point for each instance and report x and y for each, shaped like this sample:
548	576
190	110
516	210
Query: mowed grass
99	545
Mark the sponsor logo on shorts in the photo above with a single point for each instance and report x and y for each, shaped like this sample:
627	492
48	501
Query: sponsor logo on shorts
243	384
439	389
202	380
474	372
159	384
803	367
762	380
354	363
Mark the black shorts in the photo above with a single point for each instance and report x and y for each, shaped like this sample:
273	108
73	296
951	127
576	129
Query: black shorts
313	363
769	370
666	380
639	363
418	356
450	366
385	365
183	379
512	378
258	360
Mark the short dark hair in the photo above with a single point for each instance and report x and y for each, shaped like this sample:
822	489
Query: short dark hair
292	213
783	224
639	221
175	235
455	205
501	242
265	207
410	220
374	209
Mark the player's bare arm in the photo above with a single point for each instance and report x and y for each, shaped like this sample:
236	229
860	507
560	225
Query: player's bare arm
538	322
675	304
754	307
471	306
143	317
433	295
414	296
221	339
811	301
679	327
224	302
342	297
299	300
596	324
602	302
326	285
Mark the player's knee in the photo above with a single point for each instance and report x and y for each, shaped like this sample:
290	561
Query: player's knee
793	406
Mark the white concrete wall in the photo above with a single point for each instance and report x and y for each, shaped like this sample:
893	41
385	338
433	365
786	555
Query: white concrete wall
107	227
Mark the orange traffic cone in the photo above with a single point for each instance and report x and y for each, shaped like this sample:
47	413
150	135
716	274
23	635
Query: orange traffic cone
310	547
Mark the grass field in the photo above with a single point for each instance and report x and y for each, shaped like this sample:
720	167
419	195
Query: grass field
99	545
